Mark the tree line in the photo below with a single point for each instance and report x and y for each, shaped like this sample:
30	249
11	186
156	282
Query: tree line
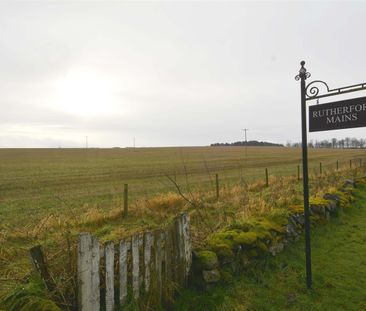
347	142
252	143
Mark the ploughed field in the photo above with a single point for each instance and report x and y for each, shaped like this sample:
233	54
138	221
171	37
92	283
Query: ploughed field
35	183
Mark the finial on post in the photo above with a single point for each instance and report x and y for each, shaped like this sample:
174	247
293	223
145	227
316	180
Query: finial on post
303	74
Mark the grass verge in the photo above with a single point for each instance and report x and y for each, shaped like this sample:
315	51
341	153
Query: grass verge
339	273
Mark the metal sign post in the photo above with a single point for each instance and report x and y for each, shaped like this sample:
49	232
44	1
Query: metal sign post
338	115
303	75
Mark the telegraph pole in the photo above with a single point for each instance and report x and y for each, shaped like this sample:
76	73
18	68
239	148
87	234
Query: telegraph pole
246	142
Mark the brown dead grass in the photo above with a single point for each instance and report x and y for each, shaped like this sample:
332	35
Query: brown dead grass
58	232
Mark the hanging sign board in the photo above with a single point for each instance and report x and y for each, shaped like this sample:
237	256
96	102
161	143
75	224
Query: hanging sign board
342	114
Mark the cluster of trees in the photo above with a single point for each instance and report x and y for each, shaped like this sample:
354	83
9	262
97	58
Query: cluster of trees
249	143
347	142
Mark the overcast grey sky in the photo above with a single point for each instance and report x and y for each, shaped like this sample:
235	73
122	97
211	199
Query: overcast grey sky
169	73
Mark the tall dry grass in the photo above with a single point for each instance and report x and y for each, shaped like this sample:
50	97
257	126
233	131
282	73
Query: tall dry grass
58	232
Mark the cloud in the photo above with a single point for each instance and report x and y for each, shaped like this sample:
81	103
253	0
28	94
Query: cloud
172	73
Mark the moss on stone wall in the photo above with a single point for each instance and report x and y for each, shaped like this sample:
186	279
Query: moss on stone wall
242	242
206	260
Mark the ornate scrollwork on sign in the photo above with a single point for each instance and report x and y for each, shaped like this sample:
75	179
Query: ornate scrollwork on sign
312	89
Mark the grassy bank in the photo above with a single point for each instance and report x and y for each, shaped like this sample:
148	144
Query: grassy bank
339	271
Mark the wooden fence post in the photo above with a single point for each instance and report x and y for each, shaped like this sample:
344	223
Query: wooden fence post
180	252
350	164
159	239
175	253
125	201
40	265
84	279
109	276
187	243
266	177
95	278
168	273
320	168
88	273
298	172
148	242
135	266
217	187
337	165
123	248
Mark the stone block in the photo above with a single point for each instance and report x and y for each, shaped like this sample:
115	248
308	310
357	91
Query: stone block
211	276
277	248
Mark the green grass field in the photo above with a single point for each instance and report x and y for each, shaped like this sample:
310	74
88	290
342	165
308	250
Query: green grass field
37	182
339	272
48	196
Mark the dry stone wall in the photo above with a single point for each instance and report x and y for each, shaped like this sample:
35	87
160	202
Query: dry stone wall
232	250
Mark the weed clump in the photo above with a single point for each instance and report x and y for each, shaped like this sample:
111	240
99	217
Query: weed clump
31	296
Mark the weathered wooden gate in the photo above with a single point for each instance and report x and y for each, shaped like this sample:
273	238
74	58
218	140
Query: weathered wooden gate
110	273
